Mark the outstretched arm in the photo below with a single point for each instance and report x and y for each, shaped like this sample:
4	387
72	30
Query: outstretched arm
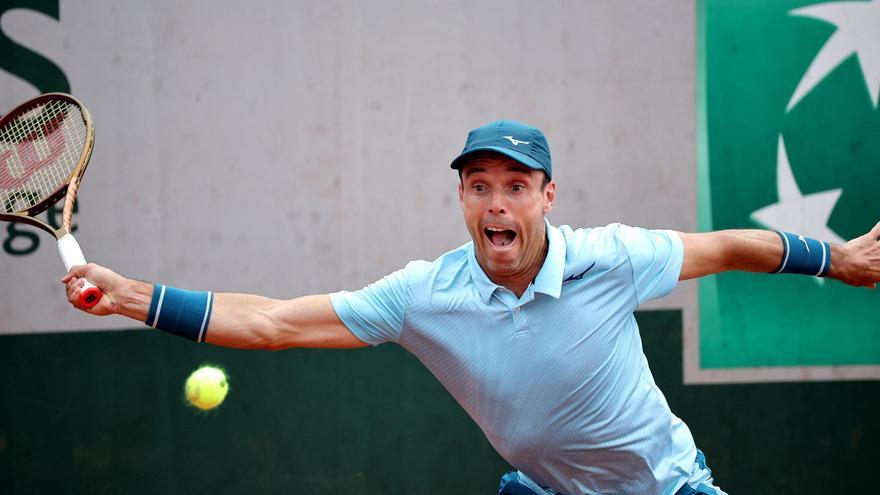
236	320
855	263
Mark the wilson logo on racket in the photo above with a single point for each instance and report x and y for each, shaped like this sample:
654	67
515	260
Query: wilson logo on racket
34	154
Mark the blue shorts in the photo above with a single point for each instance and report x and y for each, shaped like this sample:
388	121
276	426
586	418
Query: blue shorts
699	483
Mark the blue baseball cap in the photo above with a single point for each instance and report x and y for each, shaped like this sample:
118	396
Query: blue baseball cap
522	142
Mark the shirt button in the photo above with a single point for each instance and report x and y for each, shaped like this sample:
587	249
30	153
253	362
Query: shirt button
516	309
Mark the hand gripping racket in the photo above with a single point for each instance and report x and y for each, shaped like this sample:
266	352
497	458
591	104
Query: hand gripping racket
45	146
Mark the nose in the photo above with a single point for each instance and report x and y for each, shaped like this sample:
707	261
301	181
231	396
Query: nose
496	204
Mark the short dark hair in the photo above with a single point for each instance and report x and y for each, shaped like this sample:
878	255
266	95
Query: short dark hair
545	180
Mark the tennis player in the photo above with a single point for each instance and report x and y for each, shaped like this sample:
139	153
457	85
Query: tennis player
529	326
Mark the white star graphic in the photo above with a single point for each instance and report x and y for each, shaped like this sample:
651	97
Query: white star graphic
794	212
858	32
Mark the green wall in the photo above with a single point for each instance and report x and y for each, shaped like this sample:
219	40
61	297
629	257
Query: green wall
103	413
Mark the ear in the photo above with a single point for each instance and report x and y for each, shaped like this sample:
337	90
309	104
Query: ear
460	195
549	196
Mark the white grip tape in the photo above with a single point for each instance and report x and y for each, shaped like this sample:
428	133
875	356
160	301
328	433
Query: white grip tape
70	252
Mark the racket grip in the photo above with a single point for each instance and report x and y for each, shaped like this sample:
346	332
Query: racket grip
71	255
89	295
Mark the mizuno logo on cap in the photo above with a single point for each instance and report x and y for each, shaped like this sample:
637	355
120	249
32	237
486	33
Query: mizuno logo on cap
515	142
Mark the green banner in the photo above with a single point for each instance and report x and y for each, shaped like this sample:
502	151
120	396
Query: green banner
789	139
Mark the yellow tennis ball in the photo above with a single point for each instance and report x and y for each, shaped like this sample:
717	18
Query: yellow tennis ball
206	387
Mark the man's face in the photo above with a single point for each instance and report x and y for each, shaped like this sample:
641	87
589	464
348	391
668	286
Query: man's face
504	204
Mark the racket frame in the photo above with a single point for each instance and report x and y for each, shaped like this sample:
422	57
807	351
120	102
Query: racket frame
68	248
67	192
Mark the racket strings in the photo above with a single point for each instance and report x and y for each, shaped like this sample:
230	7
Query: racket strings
39	150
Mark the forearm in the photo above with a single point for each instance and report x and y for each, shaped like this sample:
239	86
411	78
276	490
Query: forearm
244	321
752	250
233	320
744	250
237	320
248	321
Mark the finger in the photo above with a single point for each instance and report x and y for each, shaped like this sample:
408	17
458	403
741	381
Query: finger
74	289
73	296
875	232
77	303
75	271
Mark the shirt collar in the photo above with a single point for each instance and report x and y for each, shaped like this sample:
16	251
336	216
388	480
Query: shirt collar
549	279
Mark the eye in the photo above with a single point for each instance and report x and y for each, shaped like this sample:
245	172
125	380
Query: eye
518	188
479	187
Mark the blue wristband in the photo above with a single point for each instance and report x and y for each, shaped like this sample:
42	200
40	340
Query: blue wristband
803	255
181	312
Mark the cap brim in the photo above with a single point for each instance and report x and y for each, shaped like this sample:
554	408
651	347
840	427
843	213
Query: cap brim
516	155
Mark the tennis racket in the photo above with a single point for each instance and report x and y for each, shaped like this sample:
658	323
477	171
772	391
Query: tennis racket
45	146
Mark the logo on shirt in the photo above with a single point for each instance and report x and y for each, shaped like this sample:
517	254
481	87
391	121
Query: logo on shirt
579	275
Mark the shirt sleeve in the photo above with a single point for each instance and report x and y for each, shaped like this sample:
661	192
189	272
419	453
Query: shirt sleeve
656	257
375	313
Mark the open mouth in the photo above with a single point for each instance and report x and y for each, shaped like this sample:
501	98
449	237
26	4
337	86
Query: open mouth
499	236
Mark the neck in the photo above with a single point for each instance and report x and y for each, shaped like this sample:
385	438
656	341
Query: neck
518	282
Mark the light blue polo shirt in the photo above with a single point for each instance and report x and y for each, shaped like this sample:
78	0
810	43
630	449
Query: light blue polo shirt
556	379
